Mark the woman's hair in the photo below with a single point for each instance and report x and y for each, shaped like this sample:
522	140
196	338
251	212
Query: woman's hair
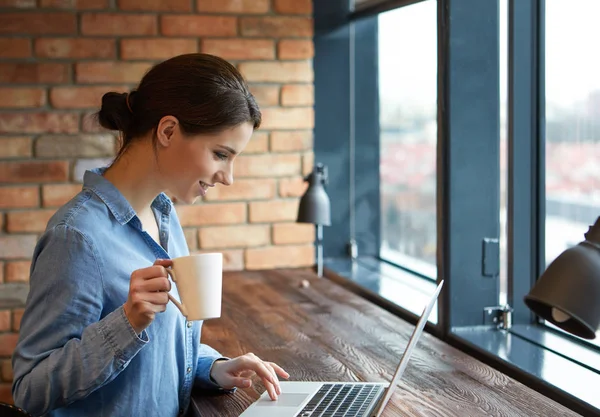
204	92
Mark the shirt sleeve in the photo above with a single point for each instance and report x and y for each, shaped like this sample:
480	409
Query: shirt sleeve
207	356
65	349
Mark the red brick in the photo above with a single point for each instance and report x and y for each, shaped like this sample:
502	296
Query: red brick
16	319
277	72
15	48
259	143
17	246
266	95
210	214
295	49
273	211
287	141
233	6
8	342
110	72
156	5
17	271
76	97
277	26
19	197
293	6
118	24
39	122
240	48
5	320
1	230
15	147
156	48
55	195
7	373
243	190
193	25
268	165
22	97
75	4
280	257
75	48
6	393
288	118
28	221
291	233
239	236
308	162
191	238
20	4
34	171
297	95
1	263
292	187
46	23
89	123
33	73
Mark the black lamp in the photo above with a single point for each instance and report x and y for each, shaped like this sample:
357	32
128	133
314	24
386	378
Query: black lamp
568	293
315	208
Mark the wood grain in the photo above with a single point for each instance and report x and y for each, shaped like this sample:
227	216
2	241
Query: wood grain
326	333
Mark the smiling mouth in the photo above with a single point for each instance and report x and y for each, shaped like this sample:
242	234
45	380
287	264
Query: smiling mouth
204	187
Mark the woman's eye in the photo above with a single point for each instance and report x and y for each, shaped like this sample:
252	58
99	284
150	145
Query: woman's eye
221	156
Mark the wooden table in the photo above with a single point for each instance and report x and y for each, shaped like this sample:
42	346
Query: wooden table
326	333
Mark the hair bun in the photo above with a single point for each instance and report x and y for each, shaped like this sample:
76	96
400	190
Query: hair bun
114	113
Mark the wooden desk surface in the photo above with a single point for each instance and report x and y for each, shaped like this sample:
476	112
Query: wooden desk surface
326	333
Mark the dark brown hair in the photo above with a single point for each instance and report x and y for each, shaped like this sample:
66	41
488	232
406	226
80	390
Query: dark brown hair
204	92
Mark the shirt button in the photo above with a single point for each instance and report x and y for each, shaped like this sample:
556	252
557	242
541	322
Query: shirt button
189	369
189	324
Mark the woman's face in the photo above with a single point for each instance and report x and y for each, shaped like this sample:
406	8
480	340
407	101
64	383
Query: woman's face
191	165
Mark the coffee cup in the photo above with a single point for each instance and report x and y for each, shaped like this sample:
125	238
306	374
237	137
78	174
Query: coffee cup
199	281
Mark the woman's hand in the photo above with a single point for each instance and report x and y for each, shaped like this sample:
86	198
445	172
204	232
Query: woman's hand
238	371
148	288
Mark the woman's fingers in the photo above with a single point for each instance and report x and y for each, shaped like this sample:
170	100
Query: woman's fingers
279	370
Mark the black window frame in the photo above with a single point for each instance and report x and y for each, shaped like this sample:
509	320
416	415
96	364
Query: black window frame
347	141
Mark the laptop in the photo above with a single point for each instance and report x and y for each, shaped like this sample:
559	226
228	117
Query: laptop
333	399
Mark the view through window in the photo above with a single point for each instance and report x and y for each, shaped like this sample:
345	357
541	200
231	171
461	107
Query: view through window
572	148
408	109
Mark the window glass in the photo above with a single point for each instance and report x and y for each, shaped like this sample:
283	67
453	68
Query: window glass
408	108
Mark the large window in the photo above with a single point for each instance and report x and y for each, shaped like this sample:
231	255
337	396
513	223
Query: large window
408	136
572	122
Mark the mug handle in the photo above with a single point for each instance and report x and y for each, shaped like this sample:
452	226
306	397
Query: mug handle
179	305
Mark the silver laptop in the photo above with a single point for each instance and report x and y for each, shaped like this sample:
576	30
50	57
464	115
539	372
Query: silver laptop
344	399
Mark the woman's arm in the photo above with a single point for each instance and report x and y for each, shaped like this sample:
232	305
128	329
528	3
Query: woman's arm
65	351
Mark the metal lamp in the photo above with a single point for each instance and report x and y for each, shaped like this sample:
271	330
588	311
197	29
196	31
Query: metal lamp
315	208
568	293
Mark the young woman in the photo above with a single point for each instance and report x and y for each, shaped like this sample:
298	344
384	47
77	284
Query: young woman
99	336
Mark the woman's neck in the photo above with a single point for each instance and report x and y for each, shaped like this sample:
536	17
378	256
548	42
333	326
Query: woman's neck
134	174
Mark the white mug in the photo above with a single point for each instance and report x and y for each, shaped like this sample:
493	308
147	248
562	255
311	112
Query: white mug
199	281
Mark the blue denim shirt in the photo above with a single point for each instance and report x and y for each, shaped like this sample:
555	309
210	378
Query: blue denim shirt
77	354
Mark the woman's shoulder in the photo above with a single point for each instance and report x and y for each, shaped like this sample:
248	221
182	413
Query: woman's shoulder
83	213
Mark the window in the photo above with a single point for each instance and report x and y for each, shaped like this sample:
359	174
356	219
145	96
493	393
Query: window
572	148
572	112
408	136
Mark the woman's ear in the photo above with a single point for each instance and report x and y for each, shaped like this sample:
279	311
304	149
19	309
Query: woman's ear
167	126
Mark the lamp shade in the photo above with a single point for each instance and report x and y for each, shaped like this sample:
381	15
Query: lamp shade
568	293
315	206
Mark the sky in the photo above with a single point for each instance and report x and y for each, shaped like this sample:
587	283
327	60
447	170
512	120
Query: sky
408	57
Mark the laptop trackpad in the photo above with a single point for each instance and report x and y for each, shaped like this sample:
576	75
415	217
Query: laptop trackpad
284	400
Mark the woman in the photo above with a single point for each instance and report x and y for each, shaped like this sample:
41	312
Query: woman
98	336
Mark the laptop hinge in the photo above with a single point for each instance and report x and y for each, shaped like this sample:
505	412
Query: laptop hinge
501	316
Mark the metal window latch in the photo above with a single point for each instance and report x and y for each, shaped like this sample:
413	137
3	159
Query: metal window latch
501	316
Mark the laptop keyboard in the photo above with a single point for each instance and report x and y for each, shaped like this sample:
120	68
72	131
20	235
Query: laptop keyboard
342	400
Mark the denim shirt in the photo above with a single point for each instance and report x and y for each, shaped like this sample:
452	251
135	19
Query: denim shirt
77	354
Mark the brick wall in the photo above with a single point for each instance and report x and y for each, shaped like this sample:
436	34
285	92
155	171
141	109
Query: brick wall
57	58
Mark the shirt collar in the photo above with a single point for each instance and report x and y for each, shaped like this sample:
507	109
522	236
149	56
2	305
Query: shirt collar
94	180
